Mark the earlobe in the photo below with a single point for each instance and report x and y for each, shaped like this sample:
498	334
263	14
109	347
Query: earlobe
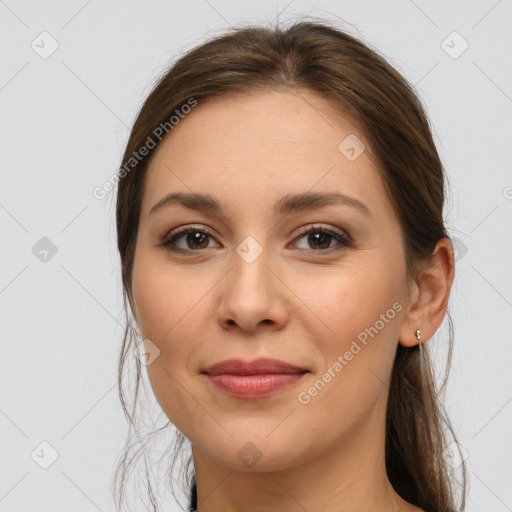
433	284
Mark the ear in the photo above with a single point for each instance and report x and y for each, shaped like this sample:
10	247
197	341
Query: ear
429	294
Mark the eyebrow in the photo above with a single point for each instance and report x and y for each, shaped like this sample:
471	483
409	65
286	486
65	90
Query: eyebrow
287	205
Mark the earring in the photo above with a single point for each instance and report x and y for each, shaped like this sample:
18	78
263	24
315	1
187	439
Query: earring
418	337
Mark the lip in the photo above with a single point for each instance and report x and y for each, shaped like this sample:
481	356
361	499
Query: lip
256	367
253	379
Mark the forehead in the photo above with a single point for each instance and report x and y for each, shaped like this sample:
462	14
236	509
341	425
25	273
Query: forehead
263	144
251	122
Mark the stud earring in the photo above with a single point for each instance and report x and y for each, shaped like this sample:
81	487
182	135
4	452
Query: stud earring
418	337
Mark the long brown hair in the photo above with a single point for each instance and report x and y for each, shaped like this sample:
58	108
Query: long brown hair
322	58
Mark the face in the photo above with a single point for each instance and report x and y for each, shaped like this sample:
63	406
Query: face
316	284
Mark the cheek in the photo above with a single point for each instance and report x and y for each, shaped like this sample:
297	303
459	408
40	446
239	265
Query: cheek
165	307
161	298
174	311
341	307
356	341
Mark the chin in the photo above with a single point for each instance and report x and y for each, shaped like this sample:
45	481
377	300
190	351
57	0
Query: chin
249	451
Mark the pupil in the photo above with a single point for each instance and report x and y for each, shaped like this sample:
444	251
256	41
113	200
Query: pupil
196	238
320	238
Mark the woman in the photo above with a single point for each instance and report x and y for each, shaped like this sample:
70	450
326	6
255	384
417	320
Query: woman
284	257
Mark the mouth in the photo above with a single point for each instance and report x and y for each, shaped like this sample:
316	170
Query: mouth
253	379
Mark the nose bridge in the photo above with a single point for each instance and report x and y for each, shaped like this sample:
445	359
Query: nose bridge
251	293
251	271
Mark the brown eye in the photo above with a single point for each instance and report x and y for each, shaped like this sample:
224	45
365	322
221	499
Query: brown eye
320	239
196	240
187	239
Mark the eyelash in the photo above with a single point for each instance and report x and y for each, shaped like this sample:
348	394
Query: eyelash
343	239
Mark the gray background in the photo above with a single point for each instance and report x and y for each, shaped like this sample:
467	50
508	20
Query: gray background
65	118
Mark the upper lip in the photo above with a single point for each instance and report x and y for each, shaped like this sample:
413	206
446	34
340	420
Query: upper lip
256	367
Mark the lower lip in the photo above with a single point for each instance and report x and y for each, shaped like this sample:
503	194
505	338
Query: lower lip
253	386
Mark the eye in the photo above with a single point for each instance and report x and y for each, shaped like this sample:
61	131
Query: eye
321	237
193	239
196	238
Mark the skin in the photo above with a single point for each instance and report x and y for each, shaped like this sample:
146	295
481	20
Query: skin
299	301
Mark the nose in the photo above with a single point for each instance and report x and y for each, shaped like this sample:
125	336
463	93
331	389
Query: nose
253	293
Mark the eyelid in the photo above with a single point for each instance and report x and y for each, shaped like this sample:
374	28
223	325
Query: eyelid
188	227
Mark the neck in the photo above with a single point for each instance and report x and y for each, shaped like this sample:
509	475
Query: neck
351	477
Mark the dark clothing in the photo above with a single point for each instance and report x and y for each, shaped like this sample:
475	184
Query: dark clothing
193	496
